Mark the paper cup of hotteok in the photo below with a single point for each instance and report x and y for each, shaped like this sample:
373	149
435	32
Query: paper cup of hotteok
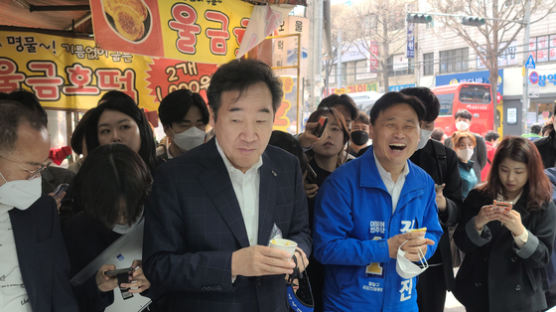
284	244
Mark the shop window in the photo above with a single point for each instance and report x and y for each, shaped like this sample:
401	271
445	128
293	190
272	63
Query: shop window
455	60
428	64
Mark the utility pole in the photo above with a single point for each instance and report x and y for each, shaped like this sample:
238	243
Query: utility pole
525	96
339	81
315	76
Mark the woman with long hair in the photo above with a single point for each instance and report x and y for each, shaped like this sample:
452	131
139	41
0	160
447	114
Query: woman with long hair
327	154
110	190
507	233
118	119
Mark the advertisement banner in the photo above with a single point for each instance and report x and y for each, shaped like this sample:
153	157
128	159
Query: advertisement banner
72	73
362	87
193	30
479	76
410	40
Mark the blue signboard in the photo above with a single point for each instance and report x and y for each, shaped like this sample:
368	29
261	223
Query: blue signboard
479	76
410	40
399	87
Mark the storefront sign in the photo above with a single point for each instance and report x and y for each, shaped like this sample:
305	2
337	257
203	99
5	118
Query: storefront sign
363	87
400	87
69	73
193	30
534	77
542	79
479	77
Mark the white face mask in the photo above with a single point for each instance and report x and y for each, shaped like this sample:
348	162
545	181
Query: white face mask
20	194
408	269
424	138
465	154
189	139
462	125
125	228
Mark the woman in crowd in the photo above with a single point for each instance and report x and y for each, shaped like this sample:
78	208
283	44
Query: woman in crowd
507	245
464	143
109	189
117	119
327	154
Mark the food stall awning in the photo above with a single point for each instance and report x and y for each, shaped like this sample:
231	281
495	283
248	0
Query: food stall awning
72	15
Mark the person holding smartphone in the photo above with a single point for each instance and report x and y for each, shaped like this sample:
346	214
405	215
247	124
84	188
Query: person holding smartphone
324	157
109	189
506	249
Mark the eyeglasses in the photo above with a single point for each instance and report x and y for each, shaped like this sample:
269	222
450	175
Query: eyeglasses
32	173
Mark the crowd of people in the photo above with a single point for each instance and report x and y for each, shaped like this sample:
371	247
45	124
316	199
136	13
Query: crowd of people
380	206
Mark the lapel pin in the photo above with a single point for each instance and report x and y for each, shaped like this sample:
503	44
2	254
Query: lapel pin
274	173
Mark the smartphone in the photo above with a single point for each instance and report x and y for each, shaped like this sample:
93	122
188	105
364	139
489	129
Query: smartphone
60	188
123	277
502	206
311	175
115	273
323	121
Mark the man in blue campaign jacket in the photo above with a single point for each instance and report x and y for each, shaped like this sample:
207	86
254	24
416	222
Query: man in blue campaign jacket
366	210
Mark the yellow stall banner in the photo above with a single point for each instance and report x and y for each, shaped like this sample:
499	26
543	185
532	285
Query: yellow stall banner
194	30
72	73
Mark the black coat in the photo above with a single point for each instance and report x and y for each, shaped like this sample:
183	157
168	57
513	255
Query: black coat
547	149
85	239
42	256
428	159
494	277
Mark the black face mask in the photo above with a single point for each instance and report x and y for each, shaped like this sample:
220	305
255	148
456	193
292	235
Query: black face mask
359	137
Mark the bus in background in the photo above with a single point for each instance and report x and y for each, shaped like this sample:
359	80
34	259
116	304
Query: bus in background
474	97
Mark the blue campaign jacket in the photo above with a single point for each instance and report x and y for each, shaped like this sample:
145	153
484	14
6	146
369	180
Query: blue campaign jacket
353	220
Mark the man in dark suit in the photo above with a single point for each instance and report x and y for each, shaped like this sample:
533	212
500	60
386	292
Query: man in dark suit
213	211
34	267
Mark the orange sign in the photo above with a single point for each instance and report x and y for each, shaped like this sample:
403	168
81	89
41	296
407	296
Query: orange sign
193	30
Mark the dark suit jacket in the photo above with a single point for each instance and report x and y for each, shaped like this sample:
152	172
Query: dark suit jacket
85	239
42	256
193	223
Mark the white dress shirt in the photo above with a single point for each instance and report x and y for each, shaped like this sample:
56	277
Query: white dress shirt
393	188
13	296
246	187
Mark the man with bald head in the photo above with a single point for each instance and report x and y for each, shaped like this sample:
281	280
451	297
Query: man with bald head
33	262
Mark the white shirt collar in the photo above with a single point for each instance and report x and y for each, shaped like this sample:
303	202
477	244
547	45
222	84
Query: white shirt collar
233	170
512	200
246	188
383	173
